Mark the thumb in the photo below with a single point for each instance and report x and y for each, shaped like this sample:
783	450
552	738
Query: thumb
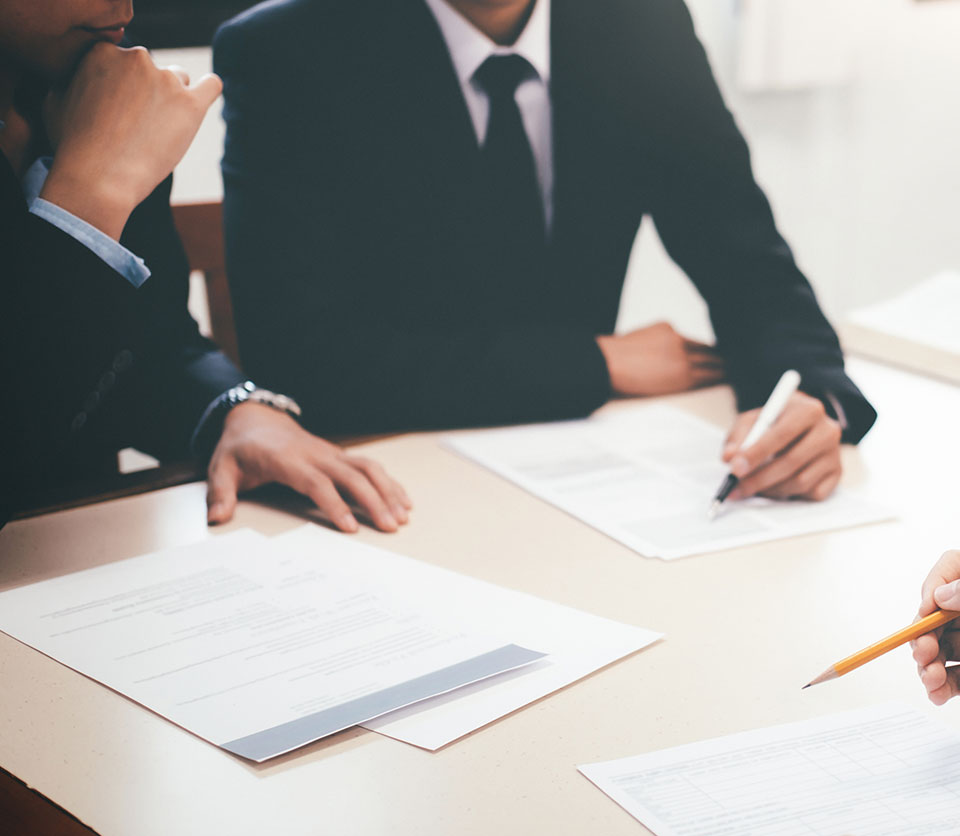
948	596
207	90
223	480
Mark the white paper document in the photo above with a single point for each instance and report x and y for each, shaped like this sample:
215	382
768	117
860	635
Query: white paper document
882	771
576	642
256	645
645	475
917	329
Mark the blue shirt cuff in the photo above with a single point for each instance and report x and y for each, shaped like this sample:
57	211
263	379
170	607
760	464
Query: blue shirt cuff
212	408
114	254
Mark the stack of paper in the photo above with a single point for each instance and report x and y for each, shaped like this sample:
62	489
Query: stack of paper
917	330
883	771
262	645
645	475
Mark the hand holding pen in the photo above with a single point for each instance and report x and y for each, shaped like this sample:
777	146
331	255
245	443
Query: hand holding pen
793	454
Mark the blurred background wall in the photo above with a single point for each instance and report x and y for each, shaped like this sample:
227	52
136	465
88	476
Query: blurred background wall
851	109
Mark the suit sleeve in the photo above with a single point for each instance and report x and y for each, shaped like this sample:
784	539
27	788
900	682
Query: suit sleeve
717	224
67	330
183	371
90	361
313	289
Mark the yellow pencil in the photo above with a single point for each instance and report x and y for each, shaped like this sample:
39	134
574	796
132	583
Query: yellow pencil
861	657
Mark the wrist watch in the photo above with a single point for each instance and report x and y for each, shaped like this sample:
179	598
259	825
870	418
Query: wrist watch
249	391
207	433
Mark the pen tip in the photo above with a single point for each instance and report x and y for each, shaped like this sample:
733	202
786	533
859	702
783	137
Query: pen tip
713	510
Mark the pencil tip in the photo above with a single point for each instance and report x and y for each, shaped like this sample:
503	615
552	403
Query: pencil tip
826	676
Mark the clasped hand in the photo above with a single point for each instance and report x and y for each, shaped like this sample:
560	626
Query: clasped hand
656	360
119	129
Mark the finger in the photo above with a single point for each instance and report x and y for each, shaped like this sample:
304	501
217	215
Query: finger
356	483
947	596
949	689
390	491
791	425
826	487
926	648
182	75
703	352
941	682
802	484
946	570
207	89
404	496
934	676
705	360
223	482
805	450
320	488
739	431
696	345
812	459
705	375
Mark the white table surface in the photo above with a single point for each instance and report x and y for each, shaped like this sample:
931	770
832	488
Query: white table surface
745	629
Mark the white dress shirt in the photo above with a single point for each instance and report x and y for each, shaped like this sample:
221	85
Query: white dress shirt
469	48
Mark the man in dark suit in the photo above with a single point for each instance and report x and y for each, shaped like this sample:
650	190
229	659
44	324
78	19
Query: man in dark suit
97	349
445	194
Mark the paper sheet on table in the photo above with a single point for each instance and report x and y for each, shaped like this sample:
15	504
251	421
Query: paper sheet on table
577	644
882	771
645	475
916	329
255	646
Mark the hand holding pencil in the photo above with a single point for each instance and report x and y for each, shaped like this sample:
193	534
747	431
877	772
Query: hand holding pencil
934	635
941	590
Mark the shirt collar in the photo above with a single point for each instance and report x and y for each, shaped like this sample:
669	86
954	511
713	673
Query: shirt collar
469	47
35	178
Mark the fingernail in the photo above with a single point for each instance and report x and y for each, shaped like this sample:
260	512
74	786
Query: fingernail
739	466
348	522
400	513
944	594
214	514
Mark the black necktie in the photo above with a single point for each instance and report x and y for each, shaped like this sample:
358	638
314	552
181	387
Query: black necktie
514	204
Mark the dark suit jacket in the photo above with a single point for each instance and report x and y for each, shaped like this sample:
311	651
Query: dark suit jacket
89	363
360	256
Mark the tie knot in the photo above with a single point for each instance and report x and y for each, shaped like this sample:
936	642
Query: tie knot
500	75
